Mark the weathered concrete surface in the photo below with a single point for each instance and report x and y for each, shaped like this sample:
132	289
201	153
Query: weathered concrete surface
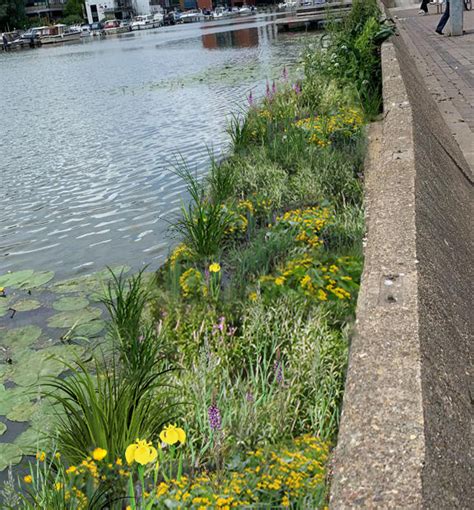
405	435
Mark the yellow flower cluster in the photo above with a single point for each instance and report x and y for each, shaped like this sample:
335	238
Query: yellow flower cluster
181	252
266	479
323	128
192	283
308	224
320	279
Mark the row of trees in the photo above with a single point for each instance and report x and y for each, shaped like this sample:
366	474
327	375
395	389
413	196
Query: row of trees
13	14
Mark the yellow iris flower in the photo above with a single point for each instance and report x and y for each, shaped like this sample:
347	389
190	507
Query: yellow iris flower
141	452
99	454
172	434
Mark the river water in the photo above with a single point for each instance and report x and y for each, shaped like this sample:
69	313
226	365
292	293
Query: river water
91	132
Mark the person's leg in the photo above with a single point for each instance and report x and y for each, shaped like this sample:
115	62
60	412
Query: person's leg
424	6
443	20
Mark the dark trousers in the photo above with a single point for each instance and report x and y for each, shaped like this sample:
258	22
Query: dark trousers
444	19
424	5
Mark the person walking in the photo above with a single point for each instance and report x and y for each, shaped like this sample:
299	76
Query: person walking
443	20
424	7
4	42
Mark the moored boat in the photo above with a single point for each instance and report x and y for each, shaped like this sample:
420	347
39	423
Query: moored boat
59	33
114	27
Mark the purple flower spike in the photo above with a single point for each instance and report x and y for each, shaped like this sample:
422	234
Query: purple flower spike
274	88
278	369
297	88
250	99
215	420
285	73
268	93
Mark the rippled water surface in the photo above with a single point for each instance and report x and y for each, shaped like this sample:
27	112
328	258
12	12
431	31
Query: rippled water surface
90	133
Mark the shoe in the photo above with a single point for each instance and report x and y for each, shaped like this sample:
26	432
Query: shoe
439	32
422	13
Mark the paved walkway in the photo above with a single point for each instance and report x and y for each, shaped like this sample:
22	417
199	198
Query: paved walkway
447	64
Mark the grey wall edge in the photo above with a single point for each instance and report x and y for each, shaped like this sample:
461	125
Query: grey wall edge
404	438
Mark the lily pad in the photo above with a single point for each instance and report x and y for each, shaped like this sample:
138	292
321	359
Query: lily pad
34	365
22	412
74	318
116	270
21	337
3	428
16	278
83	283
67	304
26	305
10	455
31	441
38	279
10	398
89	330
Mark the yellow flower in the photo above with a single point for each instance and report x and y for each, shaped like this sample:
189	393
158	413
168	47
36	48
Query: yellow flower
253	296
58	486
40	456
280	280
71	469
99	454
172	434
141	451
119	462
128	507
57	455
214	268
27	478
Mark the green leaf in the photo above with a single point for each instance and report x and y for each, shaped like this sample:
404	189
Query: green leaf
21	337
38	279
10	454
26	305
74	318
31	441
67	304
22	412
9	398
15	279
90	329
3	428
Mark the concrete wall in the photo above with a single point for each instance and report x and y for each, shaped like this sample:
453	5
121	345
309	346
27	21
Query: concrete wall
405	435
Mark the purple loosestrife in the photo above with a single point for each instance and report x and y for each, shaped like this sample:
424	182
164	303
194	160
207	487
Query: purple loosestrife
278	370
215	420
268	93
274	88
297	88
250	99
285	73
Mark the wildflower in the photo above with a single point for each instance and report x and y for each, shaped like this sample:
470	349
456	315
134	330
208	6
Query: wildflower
215	420
297	88
71	469
58	486
250	99
57	455
119	462
141	451
253	296
274	88
27	478
99	454
285	73
171	434
40	456
214	268
280	281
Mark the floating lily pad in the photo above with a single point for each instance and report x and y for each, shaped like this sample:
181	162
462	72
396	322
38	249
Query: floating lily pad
74	318
116	270
38	279
26	305
10	398
15	279
3	428
10	455
31	441
34	365
21	337
84	283
89	330
67	304
22	412
3	309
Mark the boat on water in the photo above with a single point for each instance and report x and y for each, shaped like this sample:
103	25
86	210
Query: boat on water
147	21
114	27
59	33
192	16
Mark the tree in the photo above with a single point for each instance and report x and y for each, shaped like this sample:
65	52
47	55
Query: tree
74	8
12	14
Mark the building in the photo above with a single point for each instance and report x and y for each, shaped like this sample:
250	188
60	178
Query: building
98	10
53	9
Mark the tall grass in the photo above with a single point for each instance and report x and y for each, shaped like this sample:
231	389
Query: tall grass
203	222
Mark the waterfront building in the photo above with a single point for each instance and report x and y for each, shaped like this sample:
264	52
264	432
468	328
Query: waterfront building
98	10
45	9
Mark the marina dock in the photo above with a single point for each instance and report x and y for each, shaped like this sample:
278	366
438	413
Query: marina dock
314	16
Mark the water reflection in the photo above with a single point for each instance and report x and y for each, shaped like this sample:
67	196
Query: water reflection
245	38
